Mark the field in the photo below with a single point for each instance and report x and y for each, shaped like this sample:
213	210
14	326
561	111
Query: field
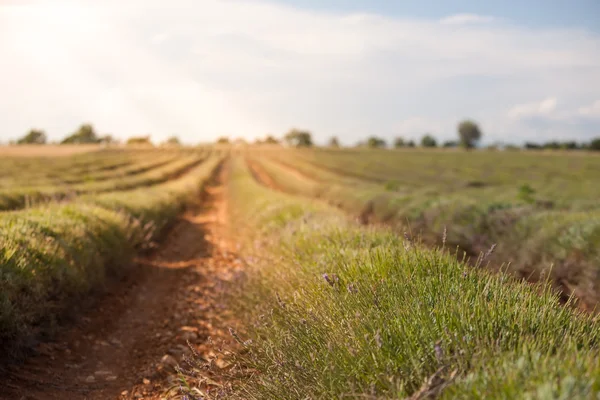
339	310
47	150
68	223
336	273
540	211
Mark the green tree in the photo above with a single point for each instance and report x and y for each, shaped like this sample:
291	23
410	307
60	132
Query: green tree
411	143
428	141
139	140
173	141
34	136
298	138
553	145
399	142
84	135
571	145
334	142
595	144
376	142
532	146
469	134
270	139
450	144
223	140
107	139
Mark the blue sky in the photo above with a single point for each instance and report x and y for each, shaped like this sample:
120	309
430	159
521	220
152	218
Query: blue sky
525	70
534	13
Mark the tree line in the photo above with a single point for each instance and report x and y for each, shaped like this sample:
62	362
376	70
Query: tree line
86	134
468	136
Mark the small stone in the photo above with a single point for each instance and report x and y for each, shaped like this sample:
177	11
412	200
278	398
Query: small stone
102	373
90	379
124	393
175	351
189	336
146	381
221	363
111	378
168	360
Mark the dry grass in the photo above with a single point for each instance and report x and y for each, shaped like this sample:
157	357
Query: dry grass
47	150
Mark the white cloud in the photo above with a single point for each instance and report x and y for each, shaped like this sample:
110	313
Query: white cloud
202	69
544	107
591	110
461	19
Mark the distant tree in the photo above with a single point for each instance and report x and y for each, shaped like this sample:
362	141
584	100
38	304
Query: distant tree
496	146
428	141
571	145
223	140
139	140
532	146
334	142
553	145
595	144
399	142
511	147
84	135
107	139
173	141
468	133
411	143
298	138
450	144
34	136
376	142
270	139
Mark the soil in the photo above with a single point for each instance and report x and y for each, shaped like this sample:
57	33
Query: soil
260	175
127	346
295	172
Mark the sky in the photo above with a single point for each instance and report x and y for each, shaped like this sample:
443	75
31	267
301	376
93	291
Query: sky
200	69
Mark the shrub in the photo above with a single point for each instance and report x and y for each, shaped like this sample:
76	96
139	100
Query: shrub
526	193
34	136
84	135
299	138
139	140
334	142
428	141
376	142
399	142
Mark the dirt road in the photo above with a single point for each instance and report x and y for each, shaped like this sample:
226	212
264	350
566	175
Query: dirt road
126	346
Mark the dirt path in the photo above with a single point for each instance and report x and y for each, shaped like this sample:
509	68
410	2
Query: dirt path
260	175
126	347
